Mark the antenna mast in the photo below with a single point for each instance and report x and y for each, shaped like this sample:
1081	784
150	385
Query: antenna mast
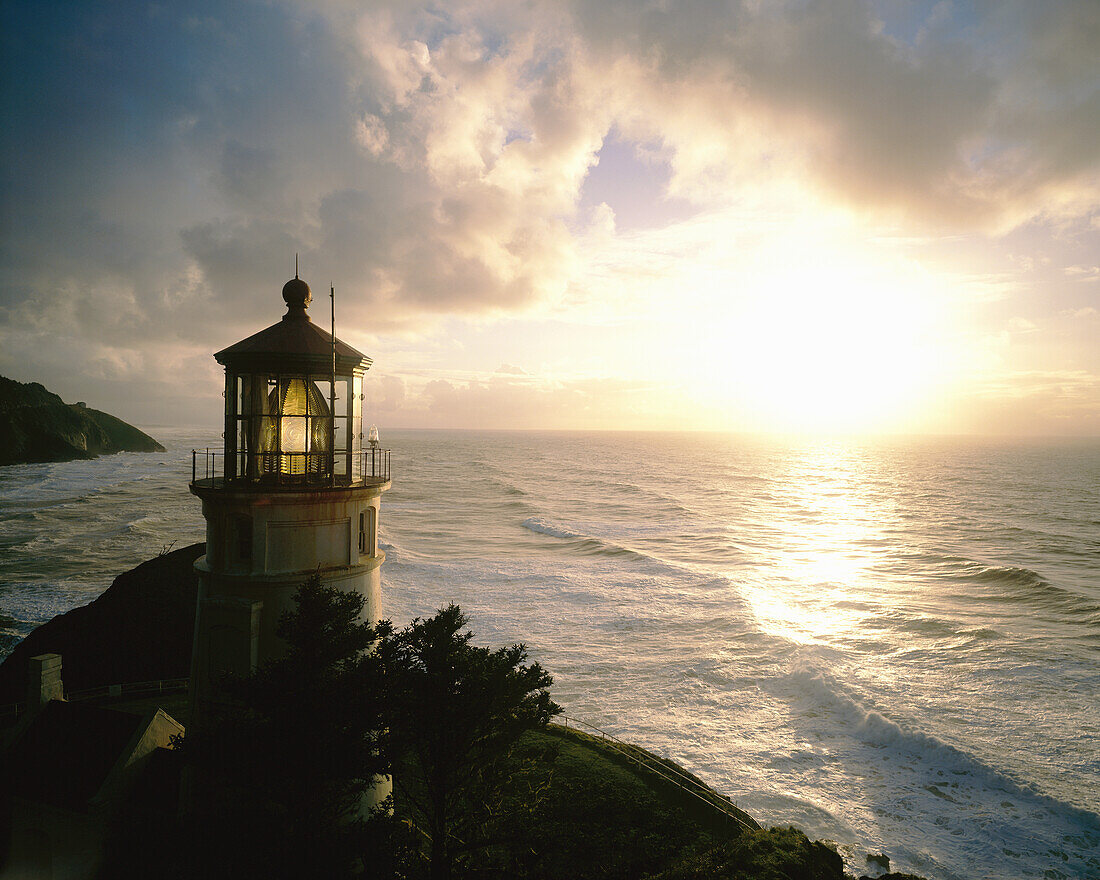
332	395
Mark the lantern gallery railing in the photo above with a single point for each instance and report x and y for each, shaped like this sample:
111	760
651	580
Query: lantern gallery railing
293	469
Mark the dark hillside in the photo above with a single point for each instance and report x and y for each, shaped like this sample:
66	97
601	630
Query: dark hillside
140	629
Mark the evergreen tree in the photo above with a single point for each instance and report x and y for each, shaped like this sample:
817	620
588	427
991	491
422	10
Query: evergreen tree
457	711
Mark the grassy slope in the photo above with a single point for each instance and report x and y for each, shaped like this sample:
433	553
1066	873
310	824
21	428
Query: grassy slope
661	830
600	817
585	809
674	784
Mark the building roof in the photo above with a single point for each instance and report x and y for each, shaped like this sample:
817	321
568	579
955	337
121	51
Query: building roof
293	343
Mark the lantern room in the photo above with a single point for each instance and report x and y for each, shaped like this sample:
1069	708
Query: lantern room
294	405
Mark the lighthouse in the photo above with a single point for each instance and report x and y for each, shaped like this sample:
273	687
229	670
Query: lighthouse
293	492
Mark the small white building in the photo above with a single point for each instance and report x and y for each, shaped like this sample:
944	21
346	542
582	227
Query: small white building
294	492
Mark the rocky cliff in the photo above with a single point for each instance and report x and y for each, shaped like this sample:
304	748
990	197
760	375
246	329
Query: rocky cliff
37	425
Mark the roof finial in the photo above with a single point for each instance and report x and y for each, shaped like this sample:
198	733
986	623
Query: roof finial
297	296
295	264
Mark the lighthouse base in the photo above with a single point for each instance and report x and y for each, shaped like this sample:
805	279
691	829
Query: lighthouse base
262	546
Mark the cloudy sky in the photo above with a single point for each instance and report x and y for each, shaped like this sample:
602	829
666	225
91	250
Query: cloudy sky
640	214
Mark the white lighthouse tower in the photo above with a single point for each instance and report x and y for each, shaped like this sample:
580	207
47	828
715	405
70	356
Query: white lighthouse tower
294	492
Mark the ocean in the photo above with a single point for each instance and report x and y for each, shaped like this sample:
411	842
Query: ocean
891	644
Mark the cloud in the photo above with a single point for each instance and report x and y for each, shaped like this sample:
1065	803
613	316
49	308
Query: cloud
1063	394
1086	312
985	121
498	401
430	159
372	135
387	394
175	157
1083	273
161	164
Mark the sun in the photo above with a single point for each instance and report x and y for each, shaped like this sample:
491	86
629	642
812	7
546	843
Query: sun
836	342
843	358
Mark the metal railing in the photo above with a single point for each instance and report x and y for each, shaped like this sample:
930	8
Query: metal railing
11	712
131	690
292	469
671	774
210	469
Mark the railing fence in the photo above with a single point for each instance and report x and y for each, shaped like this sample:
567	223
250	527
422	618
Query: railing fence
292	469
672	775
108	691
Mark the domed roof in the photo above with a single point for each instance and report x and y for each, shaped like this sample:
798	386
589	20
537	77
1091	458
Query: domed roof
296	293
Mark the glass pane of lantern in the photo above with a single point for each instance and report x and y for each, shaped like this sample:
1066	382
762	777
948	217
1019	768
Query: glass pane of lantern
320	426
304	426
288	400
240	440
341	447
263	436
357	414
322	388
320	429
256	395
292	397
293	434
343	393
241	399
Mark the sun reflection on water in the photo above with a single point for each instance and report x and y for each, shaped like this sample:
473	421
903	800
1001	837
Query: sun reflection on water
819	588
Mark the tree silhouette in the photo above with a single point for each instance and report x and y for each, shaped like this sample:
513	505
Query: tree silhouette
281	774
457	710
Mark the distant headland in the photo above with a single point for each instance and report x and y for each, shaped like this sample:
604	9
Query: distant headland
38	426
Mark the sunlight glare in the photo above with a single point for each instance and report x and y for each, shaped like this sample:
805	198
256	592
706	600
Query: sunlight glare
833	342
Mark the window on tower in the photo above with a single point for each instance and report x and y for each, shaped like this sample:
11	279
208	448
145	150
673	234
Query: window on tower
368	538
